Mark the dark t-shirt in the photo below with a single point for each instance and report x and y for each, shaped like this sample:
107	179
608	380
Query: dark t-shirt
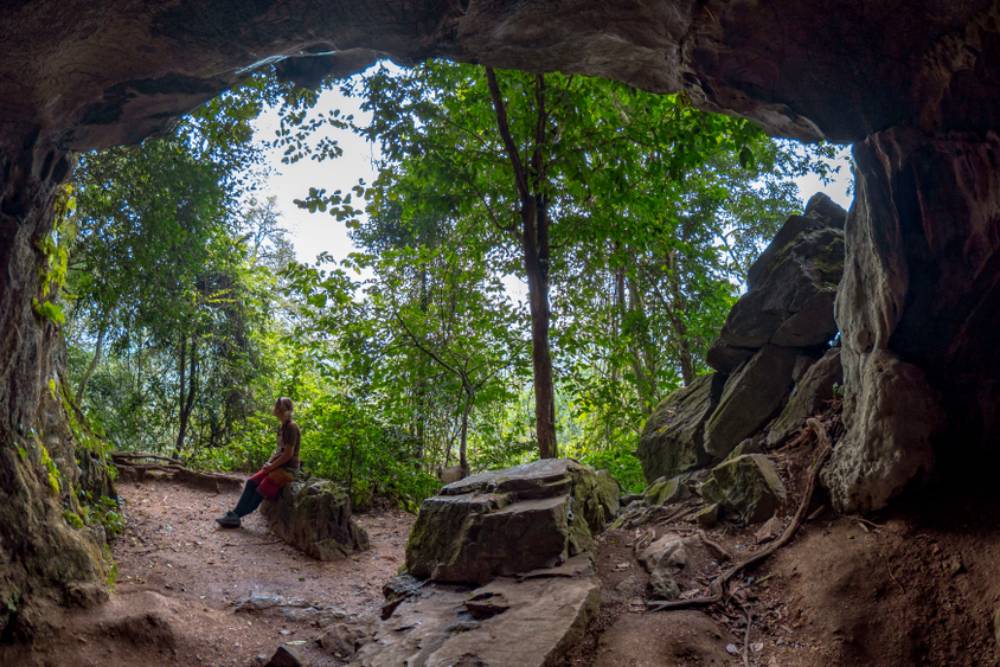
290	436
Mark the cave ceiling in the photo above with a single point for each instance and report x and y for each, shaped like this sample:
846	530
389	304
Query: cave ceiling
78	74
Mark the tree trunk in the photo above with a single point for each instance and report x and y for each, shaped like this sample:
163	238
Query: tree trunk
535	246
644	384
684	353
92	366
186	403
463	460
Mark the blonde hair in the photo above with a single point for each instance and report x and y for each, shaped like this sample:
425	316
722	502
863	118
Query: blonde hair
283	404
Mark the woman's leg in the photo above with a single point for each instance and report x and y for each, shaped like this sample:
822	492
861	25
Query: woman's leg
248	502
250	499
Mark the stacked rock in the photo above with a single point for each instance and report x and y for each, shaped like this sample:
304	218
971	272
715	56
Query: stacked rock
774	361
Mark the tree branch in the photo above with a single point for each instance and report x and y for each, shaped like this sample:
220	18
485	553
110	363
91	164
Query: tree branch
430	353
520	178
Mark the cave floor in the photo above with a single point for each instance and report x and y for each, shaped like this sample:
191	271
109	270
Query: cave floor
916	586
191	593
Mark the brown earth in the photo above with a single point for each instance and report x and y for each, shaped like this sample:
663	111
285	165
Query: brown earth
915	587
190	593
919	585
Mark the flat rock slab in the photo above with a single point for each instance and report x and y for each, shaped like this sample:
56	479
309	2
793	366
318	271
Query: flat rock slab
750	398
510	521
672	441
531	623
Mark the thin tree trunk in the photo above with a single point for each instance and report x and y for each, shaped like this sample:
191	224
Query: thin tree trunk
686	356
535	245
187	402
420	420
182	388
640	367
92	366
463	442
541	359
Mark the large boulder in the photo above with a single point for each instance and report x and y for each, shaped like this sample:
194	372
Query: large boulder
314	516
529	623
811	393
750	398
792	287
672	440
504	522
746	487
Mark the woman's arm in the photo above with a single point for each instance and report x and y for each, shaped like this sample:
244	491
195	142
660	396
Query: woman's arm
283	457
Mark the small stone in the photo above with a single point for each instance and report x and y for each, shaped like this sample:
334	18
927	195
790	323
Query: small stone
663	586
732	649
626	584
769	531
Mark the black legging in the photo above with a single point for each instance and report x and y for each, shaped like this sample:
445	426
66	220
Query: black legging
249	501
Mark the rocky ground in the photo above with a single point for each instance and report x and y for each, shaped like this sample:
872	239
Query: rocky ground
918	586
190	593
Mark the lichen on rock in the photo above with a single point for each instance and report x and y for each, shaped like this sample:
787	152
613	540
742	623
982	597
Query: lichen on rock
503	522
314	516
746	487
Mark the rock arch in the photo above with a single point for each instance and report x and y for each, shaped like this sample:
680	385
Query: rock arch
912	84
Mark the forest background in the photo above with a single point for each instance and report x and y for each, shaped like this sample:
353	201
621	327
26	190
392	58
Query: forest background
537	262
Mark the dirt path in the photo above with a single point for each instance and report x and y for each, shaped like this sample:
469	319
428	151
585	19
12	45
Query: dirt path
190	593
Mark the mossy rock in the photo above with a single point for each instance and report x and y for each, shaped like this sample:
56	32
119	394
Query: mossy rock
666	491
510	521
315	517
747	488
672	439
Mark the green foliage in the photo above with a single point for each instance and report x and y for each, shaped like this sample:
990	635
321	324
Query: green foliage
187	315
103	511
112	577
52	471
54	248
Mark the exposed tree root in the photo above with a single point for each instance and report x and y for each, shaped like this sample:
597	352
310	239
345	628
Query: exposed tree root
129	464
718	585
128	457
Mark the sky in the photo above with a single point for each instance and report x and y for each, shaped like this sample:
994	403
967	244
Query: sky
313	233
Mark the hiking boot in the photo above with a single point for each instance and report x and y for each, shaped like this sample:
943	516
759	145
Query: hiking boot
229	520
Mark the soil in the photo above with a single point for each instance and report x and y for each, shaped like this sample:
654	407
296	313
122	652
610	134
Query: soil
917	586
191	593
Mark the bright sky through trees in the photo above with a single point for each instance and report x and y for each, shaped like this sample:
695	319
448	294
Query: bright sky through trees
313	233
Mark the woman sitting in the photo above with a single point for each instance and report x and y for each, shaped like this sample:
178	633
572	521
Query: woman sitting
276	473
